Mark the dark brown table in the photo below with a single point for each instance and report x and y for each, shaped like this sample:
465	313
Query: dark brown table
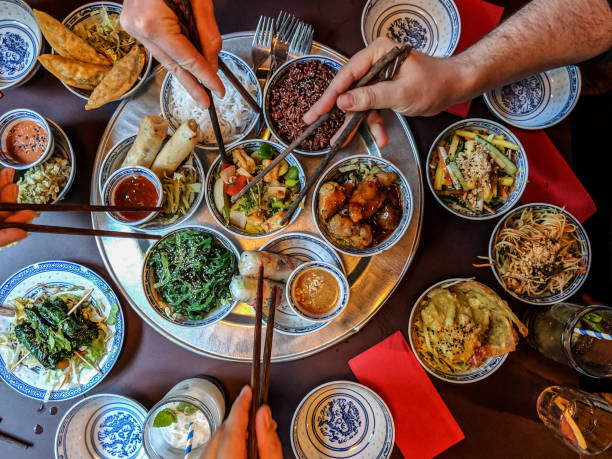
497	415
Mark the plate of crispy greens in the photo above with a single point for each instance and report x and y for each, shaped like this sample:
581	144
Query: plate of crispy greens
53	346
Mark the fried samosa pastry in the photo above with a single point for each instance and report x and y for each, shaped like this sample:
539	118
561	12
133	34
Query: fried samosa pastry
81	75
118	80
66	43
151	134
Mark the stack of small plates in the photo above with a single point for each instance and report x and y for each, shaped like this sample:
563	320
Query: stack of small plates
20	43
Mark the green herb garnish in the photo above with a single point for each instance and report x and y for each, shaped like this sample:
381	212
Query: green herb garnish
165	418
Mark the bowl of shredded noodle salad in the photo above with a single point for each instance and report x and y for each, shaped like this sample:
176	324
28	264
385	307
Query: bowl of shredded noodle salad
236	117
540	254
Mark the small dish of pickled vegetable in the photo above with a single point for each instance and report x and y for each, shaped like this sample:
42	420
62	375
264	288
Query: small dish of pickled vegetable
259	212
477	169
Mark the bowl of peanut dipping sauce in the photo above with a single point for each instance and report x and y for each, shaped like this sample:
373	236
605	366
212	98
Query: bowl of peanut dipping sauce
317	291
25	139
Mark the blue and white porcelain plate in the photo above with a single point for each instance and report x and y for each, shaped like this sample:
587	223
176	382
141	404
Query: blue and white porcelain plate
430	26
483	371
342	419
20	43
306	247
538	101
103	426
29	282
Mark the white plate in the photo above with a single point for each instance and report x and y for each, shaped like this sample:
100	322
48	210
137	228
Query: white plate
64	274
342	419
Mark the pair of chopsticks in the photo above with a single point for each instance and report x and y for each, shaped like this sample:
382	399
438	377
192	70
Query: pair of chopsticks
33	228
260	377
384	69
184	13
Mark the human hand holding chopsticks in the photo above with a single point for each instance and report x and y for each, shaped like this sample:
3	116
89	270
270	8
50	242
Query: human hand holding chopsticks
156	26
230	439
8	193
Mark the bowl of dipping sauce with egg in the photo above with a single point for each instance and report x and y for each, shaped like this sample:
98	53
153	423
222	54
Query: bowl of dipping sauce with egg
132	186
25	139
317	291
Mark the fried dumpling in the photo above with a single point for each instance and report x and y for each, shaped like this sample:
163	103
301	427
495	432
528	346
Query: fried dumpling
66	43
81	75
118	80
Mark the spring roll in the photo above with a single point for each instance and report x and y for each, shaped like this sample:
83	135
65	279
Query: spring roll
151	133
180	145
244	289
66	43
276	267
81	75
118	80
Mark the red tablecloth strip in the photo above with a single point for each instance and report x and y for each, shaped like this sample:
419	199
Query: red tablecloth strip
424	427
477	19
551	180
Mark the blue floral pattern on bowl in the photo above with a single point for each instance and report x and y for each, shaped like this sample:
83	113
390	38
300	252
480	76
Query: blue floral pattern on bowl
339	420
538	101
585	244
119	434
20	43
430	26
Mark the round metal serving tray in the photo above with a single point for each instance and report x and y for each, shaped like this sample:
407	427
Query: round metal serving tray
372	279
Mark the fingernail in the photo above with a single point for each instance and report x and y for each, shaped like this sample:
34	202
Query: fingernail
267	415
243	391
308	117
346	101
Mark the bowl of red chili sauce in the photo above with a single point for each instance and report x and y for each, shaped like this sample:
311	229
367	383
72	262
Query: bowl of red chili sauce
133	186
25	139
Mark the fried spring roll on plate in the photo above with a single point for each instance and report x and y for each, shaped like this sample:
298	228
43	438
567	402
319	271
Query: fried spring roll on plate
276	267
180	145
81	75
66	43
151	134
119	79
244	289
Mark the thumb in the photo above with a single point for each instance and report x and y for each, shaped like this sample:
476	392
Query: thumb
268	443
379	95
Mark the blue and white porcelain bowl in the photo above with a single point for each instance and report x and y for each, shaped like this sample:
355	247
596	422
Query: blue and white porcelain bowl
112	162
280	74
80	17
485	370
8	121
174	121
249	146
342	419
29	282
306	247
104	426
432	27
406	200
343	288
20	43
520	161
113	182
576	283
157	302
538	101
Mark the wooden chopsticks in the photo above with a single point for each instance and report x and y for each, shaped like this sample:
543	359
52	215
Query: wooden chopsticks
31	228
14	207
238	85
394	57
260	377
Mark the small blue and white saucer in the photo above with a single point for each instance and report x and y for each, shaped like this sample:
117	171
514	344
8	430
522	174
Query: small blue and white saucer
104	426
342	419
430	26
538	101
20	43
306	247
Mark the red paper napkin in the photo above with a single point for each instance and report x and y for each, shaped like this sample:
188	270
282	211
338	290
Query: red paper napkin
551	180
423	425
477	19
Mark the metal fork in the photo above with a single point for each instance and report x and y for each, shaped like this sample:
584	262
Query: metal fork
301	43
287	24
261	48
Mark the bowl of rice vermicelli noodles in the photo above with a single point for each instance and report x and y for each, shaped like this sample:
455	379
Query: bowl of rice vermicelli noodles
540	254
236	117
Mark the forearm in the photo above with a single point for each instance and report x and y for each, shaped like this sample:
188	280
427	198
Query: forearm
544	34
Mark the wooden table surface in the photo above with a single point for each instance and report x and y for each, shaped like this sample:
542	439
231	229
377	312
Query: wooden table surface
497	415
